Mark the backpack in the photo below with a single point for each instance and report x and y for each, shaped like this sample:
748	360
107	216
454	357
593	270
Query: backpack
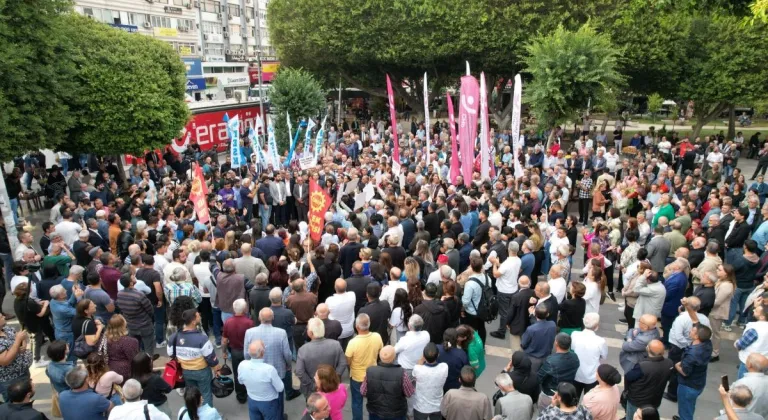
488	309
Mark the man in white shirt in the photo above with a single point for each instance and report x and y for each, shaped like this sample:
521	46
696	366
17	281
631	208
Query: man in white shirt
437	275
557	283
67	228
560	238
591	350
506	283
430	378
134	407
411	346
389	289
342	308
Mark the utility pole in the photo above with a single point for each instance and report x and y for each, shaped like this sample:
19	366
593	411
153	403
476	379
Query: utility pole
10	224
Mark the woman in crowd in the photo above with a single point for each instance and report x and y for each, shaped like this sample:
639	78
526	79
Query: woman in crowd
153	388
194	408
121	348
415	297
33	317
451	303
525	381
401	313
572	310
469	340
628	292
603	400
181	285
84	323
102	380
724	289
329	384
452	355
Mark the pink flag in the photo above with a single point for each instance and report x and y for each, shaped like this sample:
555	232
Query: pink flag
454	145
468	125
393	117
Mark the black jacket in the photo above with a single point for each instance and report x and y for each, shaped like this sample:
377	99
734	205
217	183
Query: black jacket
378	311
518	319
359	285
385	395
348	254
436	319
432	224
422	235
259	299
20	411
124	240
739	234
645	383
481	235
524	380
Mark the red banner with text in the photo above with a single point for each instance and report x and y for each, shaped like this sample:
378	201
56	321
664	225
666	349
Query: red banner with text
319	201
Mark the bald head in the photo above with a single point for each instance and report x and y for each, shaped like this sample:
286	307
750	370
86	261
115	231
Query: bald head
647	322
266	316
655	348
256	349
340	286
322	311
756	362
387	354
245	248
524	282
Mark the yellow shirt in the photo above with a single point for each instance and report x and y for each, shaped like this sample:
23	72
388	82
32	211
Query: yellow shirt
362	352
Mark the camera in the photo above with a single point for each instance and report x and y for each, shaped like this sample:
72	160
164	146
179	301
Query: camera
32	267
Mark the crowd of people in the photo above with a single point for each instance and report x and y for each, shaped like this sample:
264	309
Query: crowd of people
399	293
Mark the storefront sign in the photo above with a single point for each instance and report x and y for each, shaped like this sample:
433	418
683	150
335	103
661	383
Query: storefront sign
236	58
170	32
215	58
173	10
195	83
232	80
194	66
127	28
268	69
210	130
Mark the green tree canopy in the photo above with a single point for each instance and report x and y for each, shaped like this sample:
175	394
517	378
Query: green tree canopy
655	101
37	81
298	93
130	90
568	68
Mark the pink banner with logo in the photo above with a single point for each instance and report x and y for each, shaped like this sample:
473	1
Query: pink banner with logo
468	125
454	145
393	117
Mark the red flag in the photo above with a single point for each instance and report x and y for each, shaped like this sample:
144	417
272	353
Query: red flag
454	146
468	125
393	117
199	195
319	201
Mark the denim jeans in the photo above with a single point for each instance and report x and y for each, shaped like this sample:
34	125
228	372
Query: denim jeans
742	371
160	323
7	260
264	410
686	401
372	416
630	411
666	326
264	213
225	316
15	209
738	301
217	324
202	380
357	400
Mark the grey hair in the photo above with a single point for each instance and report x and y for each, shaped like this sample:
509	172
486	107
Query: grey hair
76	270
448	243
591	320
463	237
564	250
312	402
474	253
363	322
76	377
276	296
446	271
239	306
741	395
528	244
132	390
415	323
503	380
420	225
179	274
513	248
57	291
316	326
228	266
262	278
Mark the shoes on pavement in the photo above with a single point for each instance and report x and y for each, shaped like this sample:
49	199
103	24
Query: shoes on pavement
714	359
293	396
180	391
622	307
612	296
155	357
727	327
670	397
41	363
242	401
675	417
161	345
623	321
498	335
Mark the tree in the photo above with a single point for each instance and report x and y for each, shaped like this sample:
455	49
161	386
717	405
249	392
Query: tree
569	67
130	90
298	93
655	101
725	65
36	86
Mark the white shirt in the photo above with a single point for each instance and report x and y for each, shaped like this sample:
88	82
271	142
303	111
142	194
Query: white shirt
69	231
436	277
715	157
140	286
388	292
679	333
509	270
556	288
549	161
592	297
591	349
135	411
169	269
664	146
17	280
18	253
555	243
160	263
495	220
410	348
341	308
610	161
429	387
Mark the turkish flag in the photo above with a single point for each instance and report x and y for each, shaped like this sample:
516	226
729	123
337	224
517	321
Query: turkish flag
319	201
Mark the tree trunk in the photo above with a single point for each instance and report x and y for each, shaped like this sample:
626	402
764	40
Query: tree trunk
605	124
551	138
703	118
731	122
697	128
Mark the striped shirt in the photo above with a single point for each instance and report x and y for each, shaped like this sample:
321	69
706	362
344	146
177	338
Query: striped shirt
193	350
174	290
586	190
136	308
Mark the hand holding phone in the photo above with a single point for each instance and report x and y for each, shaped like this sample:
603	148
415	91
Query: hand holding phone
724	382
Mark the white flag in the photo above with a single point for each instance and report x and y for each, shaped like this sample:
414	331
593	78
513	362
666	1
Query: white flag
272	145
517	97
308	134
426	114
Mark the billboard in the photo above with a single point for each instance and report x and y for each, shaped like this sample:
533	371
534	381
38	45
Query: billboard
269	68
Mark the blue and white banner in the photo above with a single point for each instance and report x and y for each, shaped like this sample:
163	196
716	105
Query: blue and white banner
308	134
233	131
319	139
293	142
272	144
261	160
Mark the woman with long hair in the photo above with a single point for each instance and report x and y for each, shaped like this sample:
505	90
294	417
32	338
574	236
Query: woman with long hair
401	313
572	310
411	269
600	198
194	407
415	297
101	379
329	384
593	295
469	340
279	277
423	253
154	388
451	303
453	356
725	286
121	348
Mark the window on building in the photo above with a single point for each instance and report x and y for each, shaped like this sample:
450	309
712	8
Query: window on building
217	6
161	21
249	12
88	11
179	2
234	30
233	10
162	1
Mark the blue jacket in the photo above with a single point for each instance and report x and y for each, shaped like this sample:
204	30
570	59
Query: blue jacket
537	159
694	363
538	338
675	285
527	263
